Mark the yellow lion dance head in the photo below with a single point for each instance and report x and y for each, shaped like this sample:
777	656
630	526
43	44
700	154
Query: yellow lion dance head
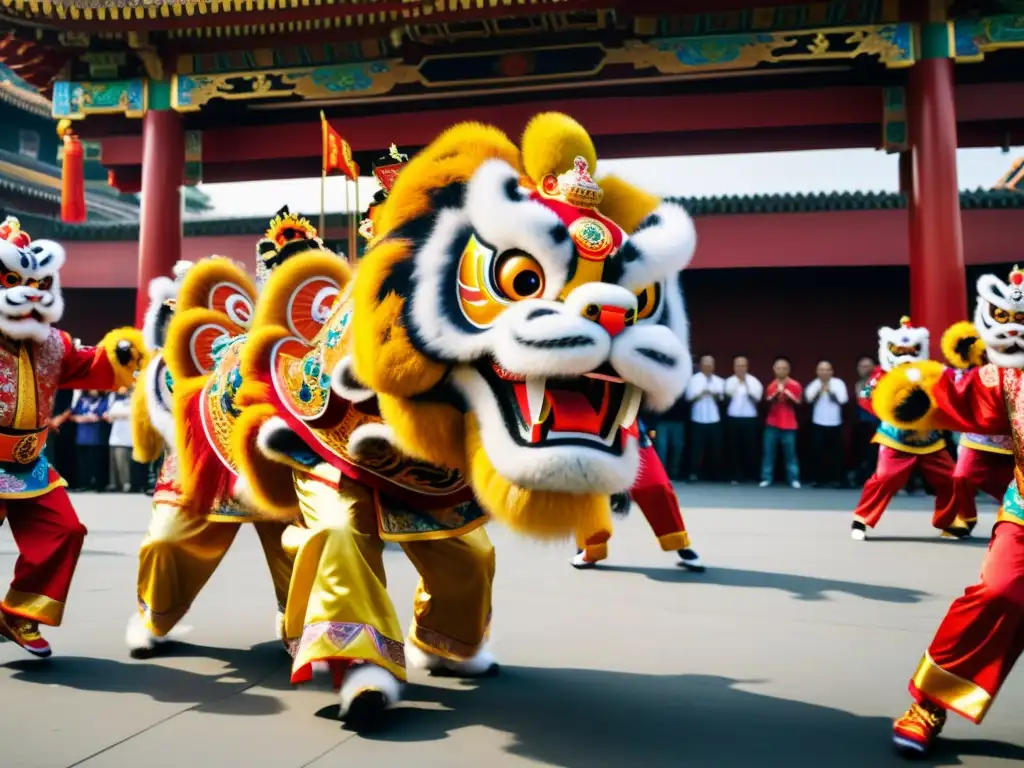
509	318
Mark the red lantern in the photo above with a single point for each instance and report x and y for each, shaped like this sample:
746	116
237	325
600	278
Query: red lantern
72	189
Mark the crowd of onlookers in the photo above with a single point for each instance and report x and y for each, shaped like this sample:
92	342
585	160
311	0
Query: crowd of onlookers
740	429
90	443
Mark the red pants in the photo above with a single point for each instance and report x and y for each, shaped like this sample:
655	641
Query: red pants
49	537
985	470
654	494
982	635
891	474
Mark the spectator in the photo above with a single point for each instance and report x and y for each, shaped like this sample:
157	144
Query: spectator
669	437
119	414
743	392
865	452
90	446
782	395
59	417
705	391
827	396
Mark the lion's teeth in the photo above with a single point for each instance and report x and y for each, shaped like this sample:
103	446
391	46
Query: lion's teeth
535	397
632	407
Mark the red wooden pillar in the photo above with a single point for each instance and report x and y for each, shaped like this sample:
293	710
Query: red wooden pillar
163	164
938	290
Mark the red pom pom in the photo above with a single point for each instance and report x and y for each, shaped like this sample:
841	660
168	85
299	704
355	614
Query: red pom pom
1017	278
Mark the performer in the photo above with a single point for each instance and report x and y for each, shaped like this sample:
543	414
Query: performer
35	361
901	450
406	417
982	635
983	462
186	541
654	494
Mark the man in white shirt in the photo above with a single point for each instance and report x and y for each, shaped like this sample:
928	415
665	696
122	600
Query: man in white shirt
704	393
827	395
742	394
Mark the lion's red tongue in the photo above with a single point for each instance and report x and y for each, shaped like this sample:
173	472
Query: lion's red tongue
570	411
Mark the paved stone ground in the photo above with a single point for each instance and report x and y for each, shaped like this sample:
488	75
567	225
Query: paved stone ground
792	650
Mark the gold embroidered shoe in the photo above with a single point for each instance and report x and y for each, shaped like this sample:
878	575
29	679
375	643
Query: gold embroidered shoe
25	633
914	733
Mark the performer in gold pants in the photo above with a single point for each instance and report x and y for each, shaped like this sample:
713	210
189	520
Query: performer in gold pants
338	609
180	554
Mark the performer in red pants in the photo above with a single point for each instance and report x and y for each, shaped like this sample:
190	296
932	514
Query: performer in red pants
901	450
983	462
654	494
982	636
35	361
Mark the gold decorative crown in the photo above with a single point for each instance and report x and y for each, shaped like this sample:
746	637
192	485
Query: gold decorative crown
905	321
286	227
578	188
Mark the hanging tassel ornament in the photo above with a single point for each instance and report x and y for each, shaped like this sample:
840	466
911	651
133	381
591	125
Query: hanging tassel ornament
72	190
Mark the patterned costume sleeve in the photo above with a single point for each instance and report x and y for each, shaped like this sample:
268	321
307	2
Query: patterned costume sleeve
109	365
973	404
929	395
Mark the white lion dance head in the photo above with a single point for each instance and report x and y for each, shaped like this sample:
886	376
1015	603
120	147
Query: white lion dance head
905	344
30	297
999	318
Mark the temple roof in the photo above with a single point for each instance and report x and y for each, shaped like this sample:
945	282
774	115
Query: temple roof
33	178
697	206
18	93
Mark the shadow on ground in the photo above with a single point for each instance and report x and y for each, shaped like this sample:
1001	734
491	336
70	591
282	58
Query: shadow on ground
808	588
226	692
716	495
579	718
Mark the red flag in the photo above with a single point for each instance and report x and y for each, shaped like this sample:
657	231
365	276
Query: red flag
337	154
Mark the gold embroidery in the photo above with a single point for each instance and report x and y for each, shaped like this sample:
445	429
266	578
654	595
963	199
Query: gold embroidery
25	413
27	449
989	375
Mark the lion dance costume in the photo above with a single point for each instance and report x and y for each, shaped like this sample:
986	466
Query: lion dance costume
654	494
35	361
983	462
982	635
487	360
190	533
901	450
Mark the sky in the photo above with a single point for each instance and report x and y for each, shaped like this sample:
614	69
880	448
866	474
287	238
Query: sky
848	170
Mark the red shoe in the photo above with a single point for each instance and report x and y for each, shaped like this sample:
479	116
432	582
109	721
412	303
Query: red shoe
25	633
914	733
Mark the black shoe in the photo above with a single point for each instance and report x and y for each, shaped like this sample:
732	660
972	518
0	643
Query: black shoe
858	531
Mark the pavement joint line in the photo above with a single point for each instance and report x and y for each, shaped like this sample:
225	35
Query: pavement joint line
170	717
328	751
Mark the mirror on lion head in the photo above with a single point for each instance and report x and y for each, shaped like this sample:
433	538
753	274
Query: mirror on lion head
514	312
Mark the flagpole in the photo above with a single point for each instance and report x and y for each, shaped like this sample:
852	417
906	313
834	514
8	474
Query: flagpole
323	174
359	213
348	210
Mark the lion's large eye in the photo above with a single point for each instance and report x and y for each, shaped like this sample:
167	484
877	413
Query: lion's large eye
10	279
1001	315
46	284
647	301
518	276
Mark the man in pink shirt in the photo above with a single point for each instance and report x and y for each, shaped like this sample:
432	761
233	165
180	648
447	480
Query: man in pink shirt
782	395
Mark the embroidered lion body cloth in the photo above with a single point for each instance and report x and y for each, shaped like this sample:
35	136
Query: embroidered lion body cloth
493	348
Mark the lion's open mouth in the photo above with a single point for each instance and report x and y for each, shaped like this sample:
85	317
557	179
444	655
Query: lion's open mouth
1013	348
596	410
905	350
33	315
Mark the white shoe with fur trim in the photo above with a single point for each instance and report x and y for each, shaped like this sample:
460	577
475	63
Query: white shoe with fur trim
482	664
367	692
139	638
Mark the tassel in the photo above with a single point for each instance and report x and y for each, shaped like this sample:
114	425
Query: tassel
72	190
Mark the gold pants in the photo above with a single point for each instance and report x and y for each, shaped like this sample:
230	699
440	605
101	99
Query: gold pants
180	554
338	607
